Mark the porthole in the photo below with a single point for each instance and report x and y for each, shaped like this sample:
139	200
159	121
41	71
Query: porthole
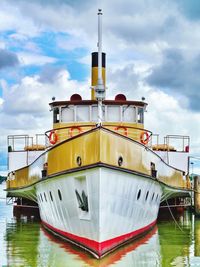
45	197
146	195
59	194
138	195
41	197
51	196
120	161
79	161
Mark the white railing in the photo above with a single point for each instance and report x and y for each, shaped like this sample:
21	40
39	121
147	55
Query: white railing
178	143
25	142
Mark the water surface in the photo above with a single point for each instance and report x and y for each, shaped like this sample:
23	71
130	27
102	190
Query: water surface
26	243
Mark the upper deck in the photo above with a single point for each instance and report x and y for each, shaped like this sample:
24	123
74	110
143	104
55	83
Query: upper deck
117	111
76	115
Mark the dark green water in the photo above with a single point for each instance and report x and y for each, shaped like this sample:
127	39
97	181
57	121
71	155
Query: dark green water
27	244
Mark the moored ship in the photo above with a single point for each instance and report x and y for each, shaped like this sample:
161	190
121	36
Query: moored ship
98	181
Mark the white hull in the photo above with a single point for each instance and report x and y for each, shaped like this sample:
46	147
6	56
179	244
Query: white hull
117	211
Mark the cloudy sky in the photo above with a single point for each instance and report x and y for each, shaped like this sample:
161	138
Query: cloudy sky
152	46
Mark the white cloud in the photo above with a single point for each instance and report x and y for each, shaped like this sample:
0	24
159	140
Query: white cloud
1	102
135	35
166	116
24	108
11	18
29	100
27	58
31	96
71	42
2	45
138	28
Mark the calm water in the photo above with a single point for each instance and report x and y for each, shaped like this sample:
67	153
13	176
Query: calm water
27	244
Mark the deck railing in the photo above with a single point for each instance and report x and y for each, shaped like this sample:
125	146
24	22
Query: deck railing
55	136
178	143
25	142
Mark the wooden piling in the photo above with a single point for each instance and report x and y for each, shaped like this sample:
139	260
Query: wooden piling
197	194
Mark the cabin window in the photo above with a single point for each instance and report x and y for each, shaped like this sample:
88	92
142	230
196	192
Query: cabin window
128	114
67	114
82	113
94	113
140	115
113	113
55	115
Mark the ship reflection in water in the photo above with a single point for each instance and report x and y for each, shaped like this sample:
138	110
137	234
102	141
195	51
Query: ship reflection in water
28	244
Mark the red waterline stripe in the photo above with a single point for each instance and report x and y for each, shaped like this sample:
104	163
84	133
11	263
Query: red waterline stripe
101	247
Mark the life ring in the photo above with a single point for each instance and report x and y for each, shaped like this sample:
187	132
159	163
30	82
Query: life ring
74	128
53	137
144	138
122	127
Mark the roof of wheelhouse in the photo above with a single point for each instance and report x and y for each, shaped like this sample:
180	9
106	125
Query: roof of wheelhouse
76	99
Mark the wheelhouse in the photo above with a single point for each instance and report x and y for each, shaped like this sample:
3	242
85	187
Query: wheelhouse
114	111
125	117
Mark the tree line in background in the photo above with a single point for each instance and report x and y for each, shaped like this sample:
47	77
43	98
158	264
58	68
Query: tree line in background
2	178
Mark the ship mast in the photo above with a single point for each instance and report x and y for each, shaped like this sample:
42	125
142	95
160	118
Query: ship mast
100	88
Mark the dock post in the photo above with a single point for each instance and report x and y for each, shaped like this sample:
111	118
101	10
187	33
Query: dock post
197	194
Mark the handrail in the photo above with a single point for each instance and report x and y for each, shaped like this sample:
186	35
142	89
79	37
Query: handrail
94	126
23	142
67	132
178	143
128	126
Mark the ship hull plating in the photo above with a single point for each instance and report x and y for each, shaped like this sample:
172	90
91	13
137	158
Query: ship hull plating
99	209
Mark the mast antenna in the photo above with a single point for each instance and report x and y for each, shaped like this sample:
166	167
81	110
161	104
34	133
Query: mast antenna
100	88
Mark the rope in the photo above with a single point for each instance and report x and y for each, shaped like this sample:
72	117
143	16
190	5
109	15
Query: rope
174	217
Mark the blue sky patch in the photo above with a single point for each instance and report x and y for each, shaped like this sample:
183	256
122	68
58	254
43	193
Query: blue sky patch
191	8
